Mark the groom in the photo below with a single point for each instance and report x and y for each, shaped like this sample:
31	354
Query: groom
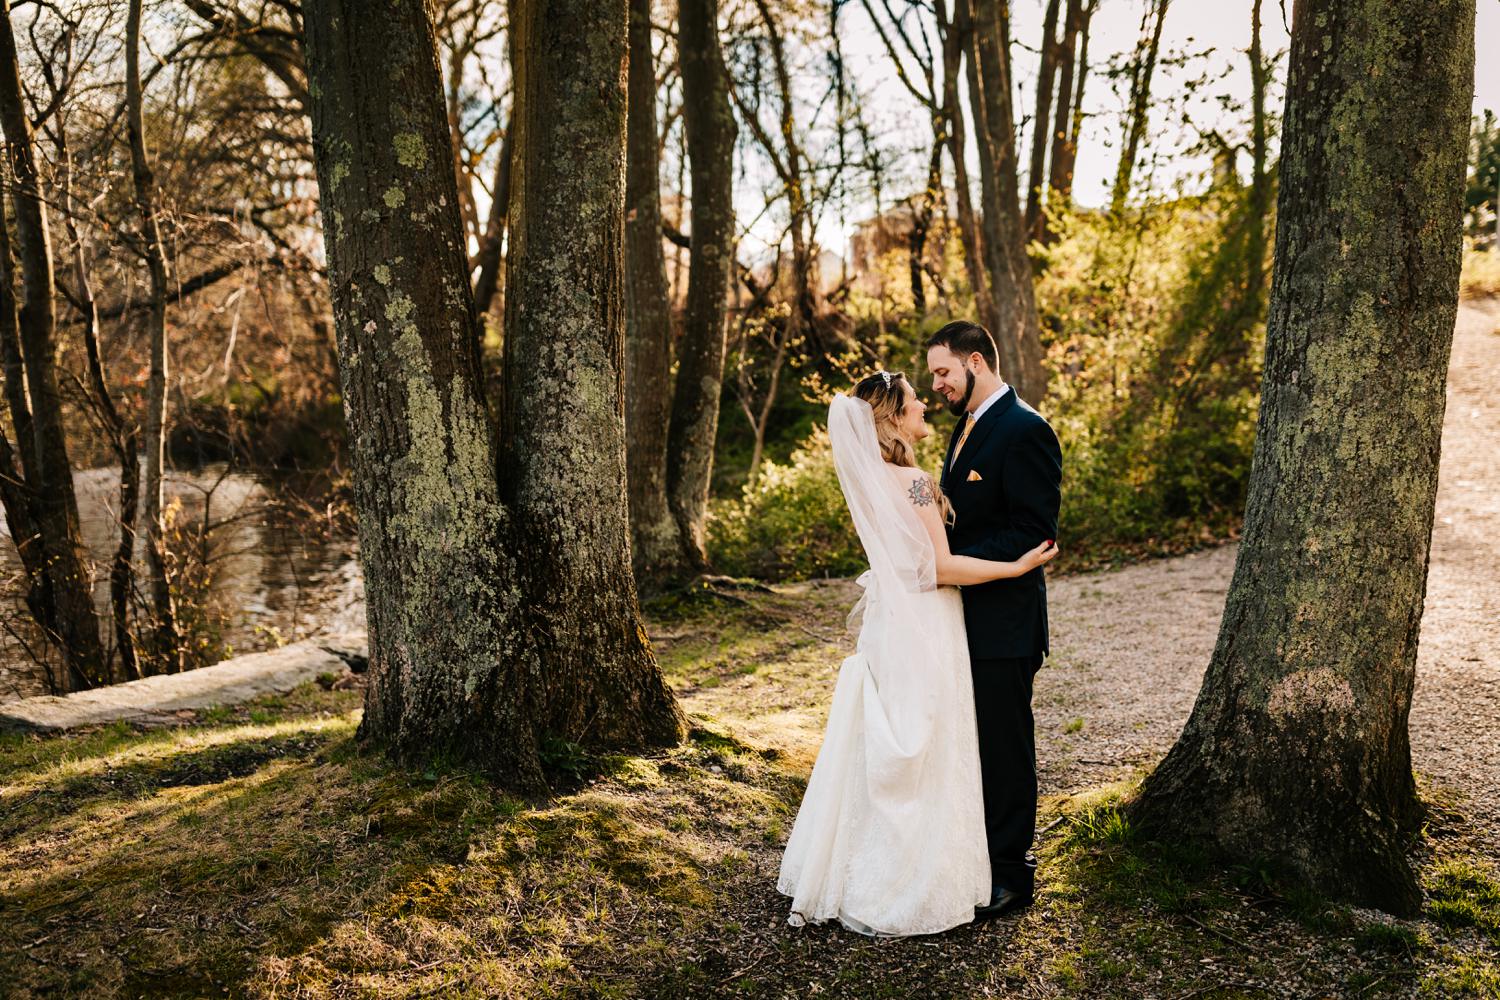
1002	476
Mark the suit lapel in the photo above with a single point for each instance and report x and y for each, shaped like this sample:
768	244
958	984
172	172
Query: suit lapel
958	468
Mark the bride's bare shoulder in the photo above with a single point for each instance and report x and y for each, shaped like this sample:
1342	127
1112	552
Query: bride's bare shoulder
905	473
917	484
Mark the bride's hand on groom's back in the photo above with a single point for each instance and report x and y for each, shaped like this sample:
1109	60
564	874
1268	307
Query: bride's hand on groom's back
1042	554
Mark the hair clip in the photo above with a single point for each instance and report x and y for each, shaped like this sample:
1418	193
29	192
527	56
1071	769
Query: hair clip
887	377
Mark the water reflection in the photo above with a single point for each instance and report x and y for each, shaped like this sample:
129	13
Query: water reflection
271	578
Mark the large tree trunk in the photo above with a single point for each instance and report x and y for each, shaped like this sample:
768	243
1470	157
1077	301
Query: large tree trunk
474	655
564	465
648	321
1018	334
709	124
1142	69
1297	749
438	577
63	589
166	646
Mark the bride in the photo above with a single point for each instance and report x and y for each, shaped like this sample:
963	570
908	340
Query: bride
890	837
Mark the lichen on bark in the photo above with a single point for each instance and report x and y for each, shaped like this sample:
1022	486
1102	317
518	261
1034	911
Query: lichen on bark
1297	750
475	653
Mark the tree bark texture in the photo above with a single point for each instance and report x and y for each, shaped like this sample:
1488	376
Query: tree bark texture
1018	335
438	580
1297	748
563	467
648	319
500	618
709	123
955	35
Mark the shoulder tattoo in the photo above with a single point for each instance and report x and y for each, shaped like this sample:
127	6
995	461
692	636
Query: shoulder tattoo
920	491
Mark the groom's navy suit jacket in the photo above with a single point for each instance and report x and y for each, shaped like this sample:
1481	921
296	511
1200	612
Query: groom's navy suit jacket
1010	509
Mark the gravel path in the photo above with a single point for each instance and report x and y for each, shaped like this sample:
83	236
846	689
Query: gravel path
1130	646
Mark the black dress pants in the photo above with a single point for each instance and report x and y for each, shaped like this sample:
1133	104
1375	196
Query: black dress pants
1007	760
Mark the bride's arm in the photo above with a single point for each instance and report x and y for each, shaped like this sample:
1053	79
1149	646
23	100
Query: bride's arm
921	493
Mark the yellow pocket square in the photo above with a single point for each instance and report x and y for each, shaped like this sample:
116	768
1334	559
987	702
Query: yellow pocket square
974	477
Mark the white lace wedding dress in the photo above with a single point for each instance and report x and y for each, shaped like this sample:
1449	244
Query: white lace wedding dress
890	839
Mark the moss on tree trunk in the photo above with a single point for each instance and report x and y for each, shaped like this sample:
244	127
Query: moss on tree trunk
564	447
499	619
1297	749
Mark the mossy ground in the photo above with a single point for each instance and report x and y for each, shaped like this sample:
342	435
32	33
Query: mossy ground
261	852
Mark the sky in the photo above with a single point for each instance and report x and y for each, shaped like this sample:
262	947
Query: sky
1225	26
1219	29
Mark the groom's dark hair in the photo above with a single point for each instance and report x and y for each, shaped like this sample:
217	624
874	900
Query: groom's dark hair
965	338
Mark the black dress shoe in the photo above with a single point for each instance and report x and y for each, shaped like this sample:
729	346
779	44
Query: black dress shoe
1002	901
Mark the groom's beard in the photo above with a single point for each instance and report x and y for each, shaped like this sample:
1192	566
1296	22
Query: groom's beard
958	407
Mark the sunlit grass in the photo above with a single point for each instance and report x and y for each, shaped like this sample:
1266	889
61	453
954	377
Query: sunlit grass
262	852
1481	273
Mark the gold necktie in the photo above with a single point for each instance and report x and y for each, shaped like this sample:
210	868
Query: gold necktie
968	426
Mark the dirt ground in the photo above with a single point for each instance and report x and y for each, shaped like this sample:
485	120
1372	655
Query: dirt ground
1131	646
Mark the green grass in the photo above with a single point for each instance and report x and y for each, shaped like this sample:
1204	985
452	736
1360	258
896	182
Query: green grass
262	852
268	852
1463	894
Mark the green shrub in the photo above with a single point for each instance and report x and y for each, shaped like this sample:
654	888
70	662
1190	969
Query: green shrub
792	523
1154	339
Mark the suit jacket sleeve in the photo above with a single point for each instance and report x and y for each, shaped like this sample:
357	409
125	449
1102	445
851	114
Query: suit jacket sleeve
1032	477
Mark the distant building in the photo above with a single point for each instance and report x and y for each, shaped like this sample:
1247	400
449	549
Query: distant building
877	236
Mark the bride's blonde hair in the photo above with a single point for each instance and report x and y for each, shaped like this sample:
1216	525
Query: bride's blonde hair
886	394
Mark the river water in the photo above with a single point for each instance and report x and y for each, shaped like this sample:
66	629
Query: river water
274	578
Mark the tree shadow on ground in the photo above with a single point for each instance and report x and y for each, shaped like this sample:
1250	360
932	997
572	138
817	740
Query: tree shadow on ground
294	861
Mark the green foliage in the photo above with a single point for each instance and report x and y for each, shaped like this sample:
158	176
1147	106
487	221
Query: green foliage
1154	328
1464	894
790	523
1391	939
1102	824
1156	336
1483	188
